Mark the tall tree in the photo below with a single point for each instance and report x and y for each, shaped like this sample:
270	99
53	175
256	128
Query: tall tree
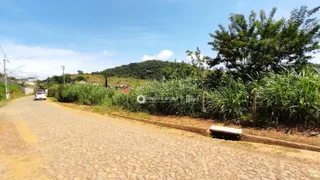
254	45
178	70
80	72
197	60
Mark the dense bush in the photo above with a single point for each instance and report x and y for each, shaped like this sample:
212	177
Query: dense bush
119	99
53	91
84	94
290	98
80	78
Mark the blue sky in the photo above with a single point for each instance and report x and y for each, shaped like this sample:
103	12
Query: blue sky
99	34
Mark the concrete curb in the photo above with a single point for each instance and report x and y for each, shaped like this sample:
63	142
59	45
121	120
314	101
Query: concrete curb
271	141
204	132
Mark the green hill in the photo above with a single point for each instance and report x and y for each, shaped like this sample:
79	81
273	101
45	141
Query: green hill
134	74
144	70
152	69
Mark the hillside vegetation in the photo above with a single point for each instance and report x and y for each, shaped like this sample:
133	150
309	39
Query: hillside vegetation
144	70
15	91
113	81
152	69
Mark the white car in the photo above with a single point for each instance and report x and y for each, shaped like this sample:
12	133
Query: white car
40	96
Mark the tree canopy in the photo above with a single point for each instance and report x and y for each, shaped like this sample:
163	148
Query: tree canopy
80	72
262	44
59	79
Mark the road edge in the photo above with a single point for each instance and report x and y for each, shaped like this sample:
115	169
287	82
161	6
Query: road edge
206	132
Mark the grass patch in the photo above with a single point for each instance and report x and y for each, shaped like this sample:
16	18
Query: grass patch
53	99
15	92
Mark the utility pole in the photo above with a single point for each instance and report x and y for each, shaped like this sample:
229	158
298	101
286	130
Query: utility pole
64	80
5	73
5	79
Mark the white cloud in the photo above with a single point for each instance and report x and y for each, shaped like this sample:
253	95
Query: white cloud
316	58
109	53
43	61
163	55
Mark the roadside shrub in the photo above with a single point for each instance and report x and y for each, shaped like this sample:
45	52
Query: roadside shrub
180	97
119	99
290	98
2	96
84	94
230	102
53	91
81	78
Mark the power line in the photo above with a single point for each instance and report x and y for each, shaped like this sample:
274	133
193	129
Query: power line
5	78
45	70
3	52
3	55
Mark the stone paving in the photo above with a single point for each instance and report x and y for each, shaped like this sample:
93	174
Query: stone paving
60	143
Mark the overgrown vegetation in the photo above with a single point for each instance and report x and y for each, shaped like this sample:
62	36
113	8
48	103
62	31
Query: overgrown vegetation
85	94
259	54
290	98
15	91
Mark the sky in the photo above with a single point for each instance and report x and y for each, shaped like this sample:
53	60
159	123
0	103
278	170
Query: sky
95	35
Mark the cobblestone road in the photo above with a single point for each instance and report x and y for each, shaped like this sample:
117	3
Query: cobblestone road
41	140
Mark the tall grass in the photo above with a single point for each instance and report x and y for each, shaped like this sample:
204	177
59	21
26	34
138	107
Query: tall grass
53	91
84	94
230	102
181	97
290	98
15	91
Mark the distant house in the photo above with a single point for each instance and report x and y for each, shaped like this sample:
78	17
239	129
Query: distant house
22	80
124	88
30	81
28	90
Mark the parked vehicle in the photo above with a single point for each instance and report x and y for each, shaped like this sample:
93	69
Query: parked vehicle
40	96
40	91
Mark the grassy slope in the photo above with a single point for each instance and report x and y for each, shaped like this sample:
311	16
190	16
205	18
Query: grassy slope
15	91
113	80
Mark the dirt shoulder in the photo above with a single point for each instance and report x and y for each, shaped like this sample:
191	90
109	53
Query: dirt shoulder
201	125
